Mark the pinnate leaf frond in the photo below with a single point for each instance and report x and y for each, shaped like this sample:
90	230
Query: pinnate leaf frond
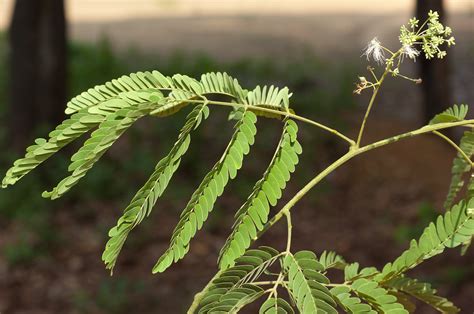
453	114
269	97
349	301
377	297
144	200
69	130
452	229
460	167
140	81
229	281
276	306
253	214
330	259
203	199
101	139
306	283
421	291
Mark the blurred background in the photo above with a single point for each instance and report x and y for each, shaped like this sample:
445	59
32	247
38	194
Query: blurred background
51	50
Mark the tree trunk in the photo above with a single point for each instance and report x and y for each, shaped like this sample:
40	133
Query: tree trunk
435	72
38	71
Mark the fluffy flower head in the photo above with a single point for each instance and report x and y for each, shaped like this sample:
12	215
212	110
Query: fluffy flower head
375	51
410	52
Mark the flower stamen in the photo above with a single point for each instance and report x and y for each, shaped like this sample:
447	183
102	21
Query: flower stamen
375	51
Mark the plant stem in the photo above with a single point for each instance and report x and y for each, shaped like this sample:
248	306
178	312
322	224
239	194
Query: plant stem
374	95
264	282
306	189
459	149
369	108
274	289
349	155
354	151
337	285
290	226
281	113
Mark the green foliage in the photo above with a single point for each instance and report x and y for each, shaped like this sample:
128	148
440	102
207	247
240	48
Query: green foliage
212	186
101	140
245	274
453	114
460	167
329	259
421	291
377	297
231	289
143	202
115	106
306	283
253	214
451	230
275	306
350	303
69	130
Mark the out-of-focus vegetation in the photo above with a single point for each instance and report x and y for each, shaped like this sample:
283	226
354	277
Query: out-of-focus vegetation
91	64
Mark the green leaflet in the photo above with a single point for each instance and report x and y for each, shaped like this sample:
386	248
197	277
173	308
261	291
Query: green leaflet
269	97
460	167
101	139
377	297
330	259
143	202
235	299
451	230
114	89
400	287
203	199
423	292
69	130
276	306
352	272
225	290
184	88
140	86
350	303
253	214
222	83
306	283
453	114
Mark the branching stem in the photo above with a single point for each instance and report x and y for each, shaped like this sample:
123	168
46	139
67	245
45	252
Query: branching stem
281	113
375	93
348	156
450	142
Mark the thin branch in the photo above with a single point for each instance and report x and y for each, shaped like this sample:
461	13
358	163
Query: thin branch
348	156
374	95
261	283
281	113
459	149
290	226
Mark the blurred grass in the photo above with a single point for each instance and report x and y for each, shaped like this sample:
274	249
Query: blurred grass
320	89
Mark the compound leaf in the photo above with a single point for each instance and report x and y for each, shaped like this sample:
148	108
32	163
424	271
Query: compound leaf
253	214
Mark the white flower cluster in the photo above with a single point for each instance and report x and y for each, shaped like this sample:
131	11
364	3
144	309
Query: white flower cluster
431	36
